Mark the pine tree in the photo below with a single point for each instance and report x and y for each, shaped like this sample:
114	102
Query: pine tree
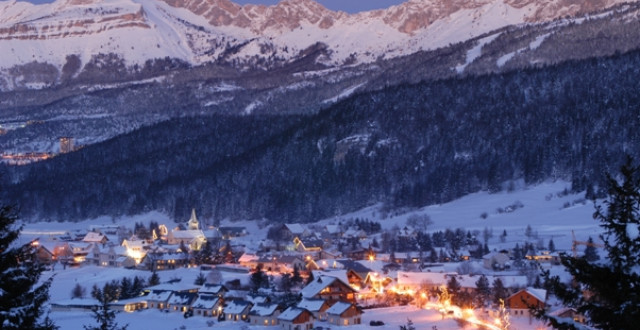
105	316
138	285
453	286
259	279
21	297
154	279
607	292
126	287
295	277
78	291
483	291
499	291
552	246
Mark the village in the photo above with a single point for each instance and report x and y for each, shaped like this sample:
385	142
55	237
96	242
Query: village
300	276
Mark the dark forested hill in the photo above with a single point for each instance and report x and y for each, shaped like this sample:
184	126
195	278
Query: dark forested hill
408	145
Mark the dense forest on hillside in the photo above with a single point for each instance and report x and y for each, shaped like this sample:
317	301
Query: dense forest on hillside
406	146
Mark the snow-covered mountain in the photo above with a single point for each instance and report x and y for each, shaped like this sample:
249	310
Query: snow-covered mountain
60	39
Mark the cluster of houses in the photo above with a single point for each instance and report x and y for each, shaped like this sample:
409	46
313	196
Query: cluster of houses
326	298
342	280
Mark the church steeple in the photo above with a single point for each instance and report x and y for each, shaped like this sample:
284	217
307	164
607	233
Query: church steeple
193	222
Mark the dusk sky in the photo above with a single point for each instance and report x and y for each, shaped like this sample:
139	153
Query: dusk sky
350	6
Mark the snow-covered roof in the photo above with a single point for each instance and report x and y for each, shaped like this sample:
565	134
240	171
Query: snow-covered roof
355	266
333	229
129	301
417	278
540	294
264	309
313	305
318	284
237	306
122	259
187	234
466	281
339	273
93	237
212	288
247	257
291	313
295	228
206	301
257	299
339	308
159	296
182	298
177	287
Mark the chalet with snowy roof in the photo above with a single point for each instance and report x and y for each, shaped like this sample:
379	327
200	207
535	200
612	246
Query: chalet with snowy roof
181	301
136	248
544	257
570	314
115	256
344	313
495	260
518	303
356	271
193	237
80	251
307	244
215	289
296	318
158	299
95	237
292	230
317	307
207	305
329	288
334	231
249	260
44	252
164	261
237	310
129	305
265	314
62	251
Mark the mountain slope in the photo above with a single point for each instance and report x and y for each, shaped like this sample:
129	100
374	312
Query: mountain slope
406	146
105	98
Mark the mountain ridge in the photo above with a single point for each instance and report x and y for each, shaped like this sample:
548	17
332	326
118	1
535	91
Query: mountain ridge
199	31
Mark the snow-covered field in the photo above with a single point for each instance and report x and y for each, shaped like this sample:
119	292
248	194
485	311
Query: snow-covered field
545	207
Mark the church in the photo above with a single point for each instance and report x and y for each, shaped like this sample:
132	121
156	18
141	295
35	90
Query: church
193	236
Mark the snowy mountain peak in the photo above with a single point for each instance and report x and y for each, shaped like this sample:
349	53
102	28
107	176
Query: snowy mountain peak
249	36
